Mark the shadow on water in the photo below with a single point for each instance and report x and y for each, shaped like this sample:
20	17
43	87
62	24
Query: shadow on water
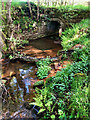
46	43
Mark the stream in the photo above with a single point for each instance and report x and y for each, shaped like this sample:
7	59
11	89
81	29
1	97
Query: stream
21	75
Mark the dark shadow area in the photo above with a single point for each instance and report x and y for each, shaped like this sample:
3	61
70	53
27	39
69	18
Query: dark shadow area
53	27
45	43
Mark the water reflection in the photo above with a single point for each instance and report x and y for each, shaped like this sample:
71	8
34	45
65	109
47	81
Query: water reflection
45	44
15	91
19	85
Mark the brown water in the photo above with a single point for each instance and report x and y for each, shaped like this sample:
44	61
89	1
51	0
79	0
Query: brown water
23	74
20	84
45	44
42	48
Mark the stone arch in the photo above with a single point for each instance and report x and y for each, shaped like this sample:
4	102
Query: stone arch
55	19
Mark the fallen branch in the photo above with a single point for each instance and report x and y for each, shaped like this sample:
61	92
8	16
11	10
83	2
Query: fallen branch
32	59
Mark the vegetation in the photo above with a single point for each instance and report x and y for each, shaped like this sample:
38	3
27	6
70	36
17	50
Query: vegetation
43	68
66	95
24	18
78	34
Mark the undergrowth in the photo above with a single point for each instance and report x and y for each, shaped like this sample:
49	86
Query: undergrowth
78	34
66	96
43	67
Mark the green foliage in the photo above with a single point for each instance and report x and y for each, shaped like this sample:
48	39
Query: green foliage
17	42
43	71
16	54
68	93
80	54
11	57
78	34
43	100
21	17
70	12
63	79
43	67
13	45
68	8
70	87
38	83
79	99
46	62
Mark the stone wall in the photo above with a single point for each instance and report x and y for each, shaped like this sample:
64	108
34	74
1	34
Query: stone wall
38	32
53	14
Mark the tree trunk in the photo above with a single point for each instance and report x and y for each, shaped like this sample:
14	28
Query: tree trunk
10	27
30	9
73	2
8	8
38	3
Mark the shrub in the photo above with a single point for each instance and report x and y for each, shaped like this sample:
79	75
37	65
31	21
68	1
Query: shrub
79	99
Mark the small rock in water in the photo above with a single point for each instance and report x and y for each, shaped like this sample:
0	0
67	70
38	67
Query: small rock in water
57	42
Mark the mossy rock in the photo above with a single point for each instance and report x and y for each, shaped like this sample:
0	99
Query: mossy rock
38	83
